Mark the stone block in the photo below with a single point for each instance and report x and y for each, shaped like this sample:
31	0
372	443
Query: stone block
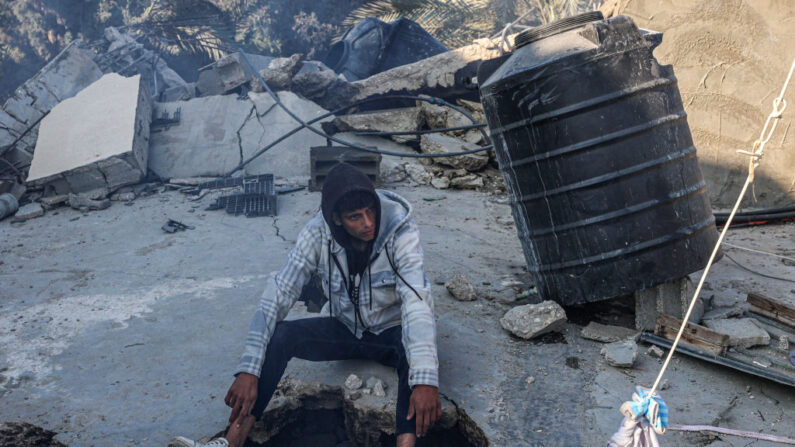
99	138
671	298
532	320
606	333
742	332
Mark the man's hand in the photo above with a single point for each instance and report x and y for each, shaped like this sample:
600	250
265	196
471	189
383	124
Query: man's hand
425	404
241	396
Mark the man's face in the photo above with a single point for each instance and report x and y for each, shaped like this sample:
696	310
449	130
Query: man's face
358	223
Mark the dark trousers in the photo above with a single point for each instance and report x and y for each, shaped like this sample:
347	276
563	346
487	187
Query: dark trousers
325	339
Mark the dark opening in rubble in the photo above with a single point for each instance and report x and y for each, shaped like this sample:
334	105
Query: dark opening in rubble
314	415
326	428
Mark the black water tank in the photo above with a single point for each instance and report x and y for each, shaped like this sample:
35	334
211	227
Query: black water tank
593	143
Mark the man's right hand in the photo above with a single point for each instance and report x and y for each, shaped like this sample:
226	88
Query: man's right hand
241	396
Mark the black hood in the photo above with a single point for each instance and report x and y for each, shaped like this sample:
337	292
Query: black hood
343	179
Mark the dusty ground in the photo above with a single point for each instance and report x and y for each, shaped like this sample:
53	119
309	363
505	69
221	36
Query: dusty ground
115	333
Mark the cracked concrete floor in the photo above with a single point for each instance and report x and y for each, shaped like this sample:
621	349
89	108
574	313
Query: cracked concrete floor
114	333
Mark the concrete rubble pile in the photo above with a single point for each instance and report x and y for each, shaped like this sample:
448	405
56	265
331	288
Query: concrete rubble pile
122	53
133	116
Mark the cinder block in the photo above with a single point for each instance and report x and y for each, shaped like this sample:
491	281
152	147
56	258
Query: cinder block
323	158
671	298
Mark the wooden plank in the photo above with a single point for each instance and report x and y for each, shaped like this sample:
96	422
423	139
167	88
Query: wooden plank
778	309
694	335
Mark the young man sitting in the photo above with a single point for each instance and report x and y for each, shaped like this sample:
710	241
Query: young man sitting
365	247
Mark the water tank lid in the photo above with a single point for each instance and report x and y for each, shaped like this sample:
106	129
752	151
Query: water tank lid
557	27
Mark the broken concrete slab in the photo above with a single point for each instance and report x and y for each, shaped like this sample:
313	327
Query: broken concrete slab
532	320
621	354
670	298
742	332
29	211
99	138
66	74
447	75
723	312
606	333
405	119
461	289
443	144
216	133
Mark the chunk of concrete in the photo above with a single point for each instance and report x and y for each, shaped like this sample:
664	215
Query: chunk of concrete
621	354
216	133
228	73
606	333
29	211
470	181
742	332
99	138
84	203
418	174
671	298
443	144
532	320
392	120
440	182
353	382
461	289
279	74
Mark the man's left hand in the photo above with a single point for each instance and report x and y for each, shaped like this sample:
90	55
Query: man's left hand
425	404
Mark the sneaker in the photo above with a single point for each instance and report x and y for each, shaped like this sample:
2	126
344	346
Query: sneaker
179	441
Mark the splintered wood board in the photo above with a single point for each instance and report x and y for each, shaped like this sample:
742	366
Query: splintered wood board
778	309
694	335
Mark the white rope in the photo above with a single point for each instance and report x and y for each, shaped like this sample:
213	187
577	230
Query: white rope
779	104
504	45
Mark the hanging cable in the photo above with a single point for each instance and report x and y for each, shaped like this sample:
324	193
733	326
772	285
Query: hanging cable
308	125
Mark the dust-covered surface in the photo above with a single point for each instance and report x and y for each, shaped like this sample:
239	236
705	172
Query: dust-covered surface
731	58
115	333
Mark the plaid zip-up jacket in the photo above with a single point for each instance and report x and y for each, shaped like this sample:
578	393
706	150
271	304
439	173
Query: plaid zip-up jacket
393	302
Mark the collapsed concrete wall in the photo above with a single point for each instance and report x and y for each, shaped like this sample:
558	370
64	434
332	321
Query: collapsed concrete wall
97	139
731	58
68	73
216	133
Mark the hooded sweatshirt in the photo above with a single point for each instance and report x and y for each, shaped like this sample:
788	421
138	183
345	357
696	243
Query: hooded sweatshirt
344	179
396	290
